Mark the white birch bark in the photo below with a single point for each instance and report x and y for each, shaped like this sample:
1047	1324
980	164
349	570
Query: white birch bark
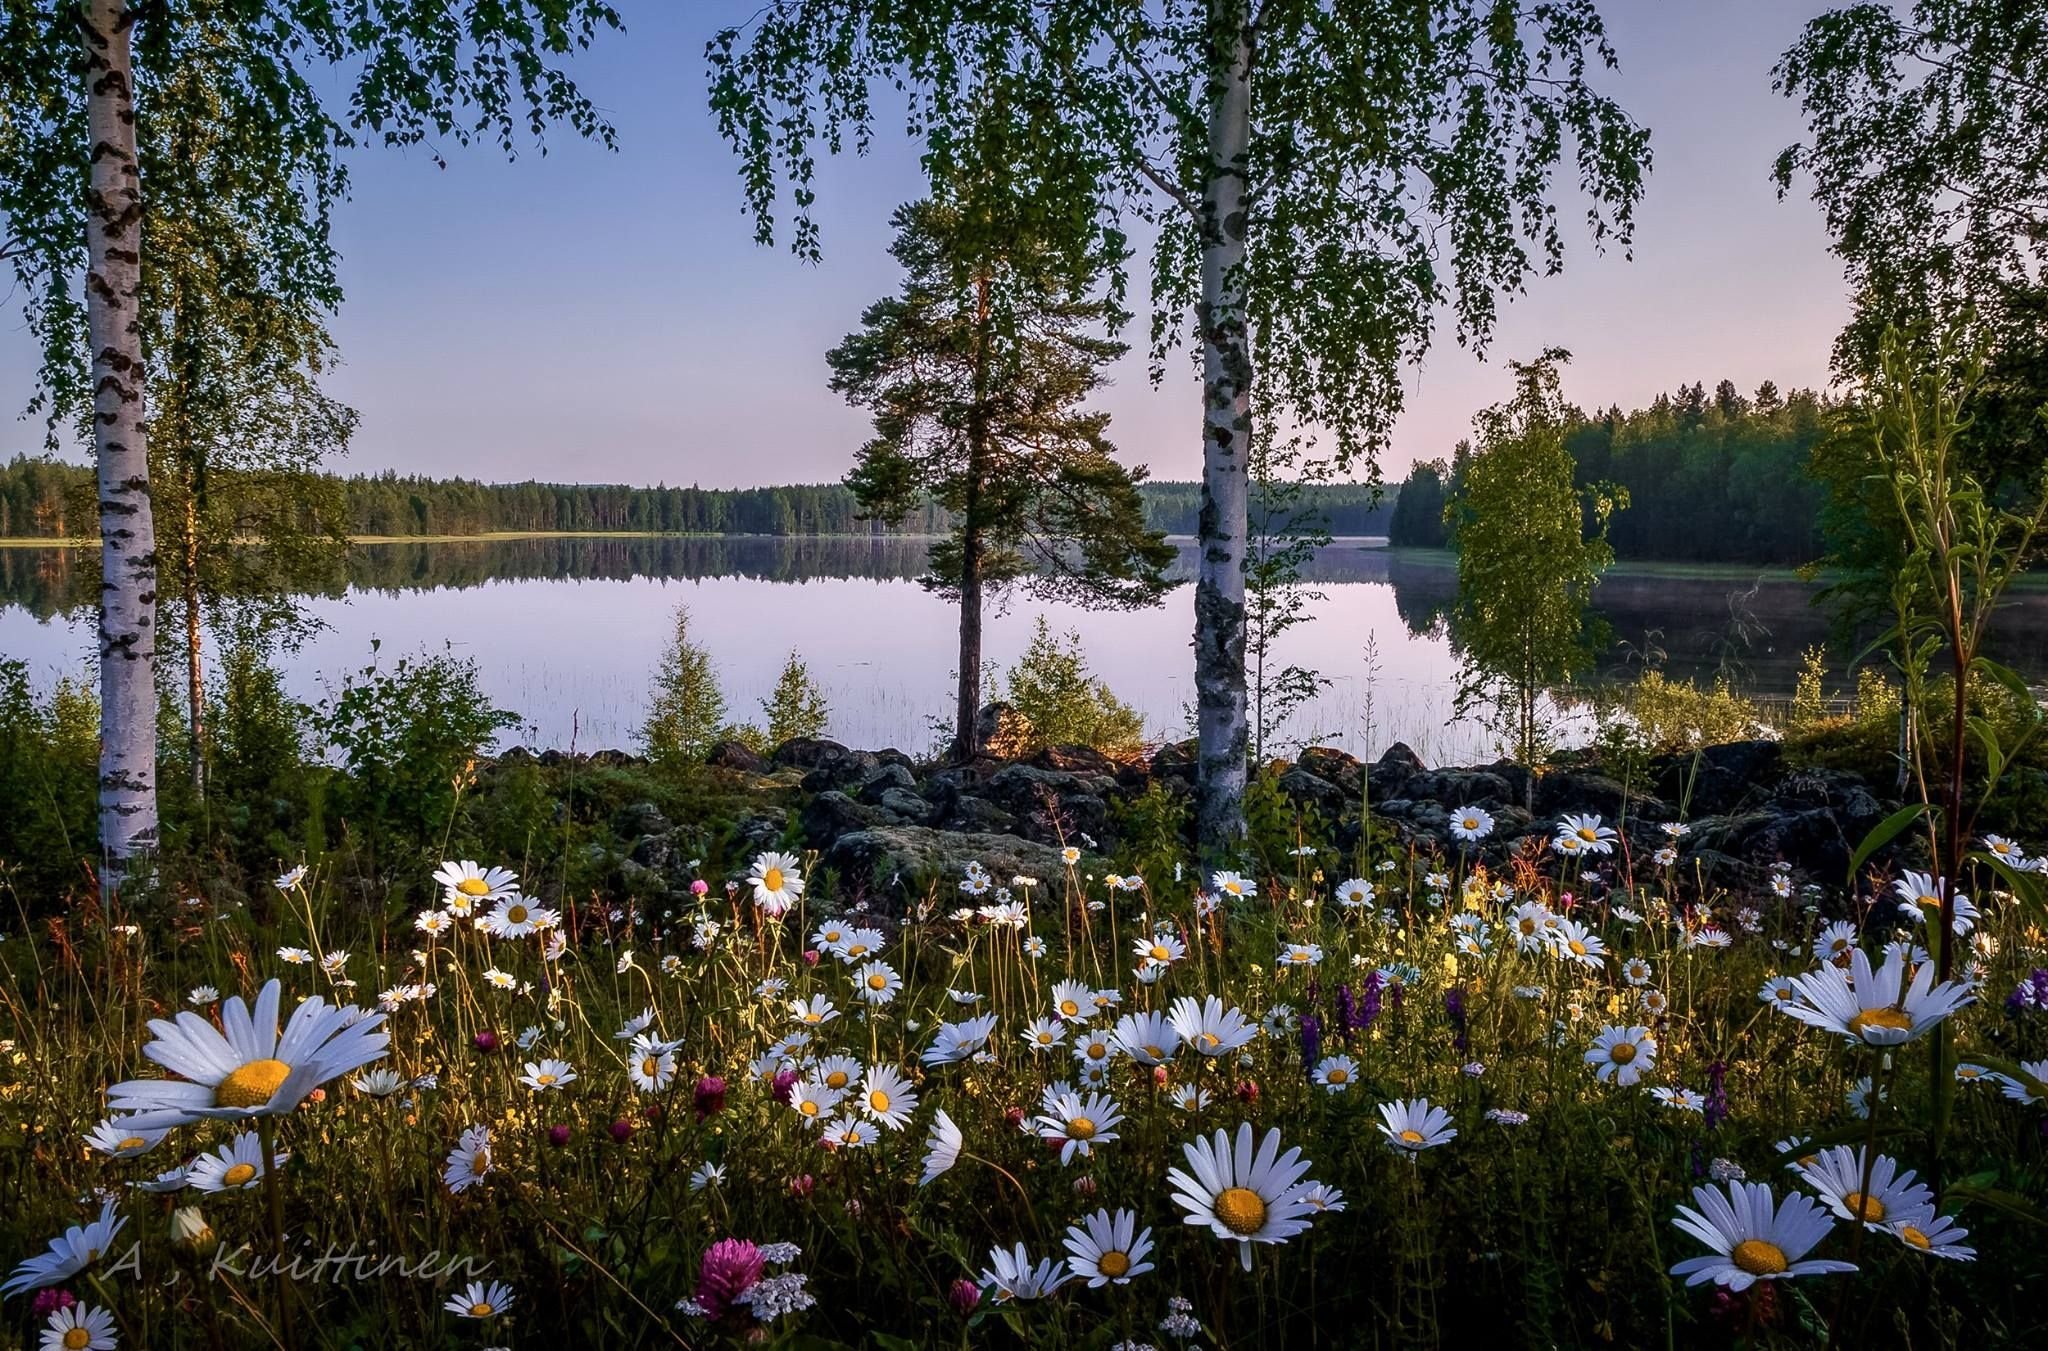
113	229
1222	731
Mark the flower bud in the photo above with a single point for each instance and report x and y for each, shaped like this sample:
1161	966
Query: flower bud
190	1233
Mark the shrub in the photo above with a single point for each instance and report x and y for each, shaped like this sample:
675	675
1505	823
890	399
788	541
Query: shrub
1674	715
408	739
687	712
1061	704
797	706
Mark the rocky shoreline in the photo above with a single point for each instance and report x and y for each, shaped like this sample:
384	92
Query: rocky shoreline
885	823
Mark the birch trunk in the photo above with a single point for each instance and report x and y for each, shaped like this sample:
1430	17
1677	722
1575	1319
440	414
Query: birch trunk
1222	734
113	236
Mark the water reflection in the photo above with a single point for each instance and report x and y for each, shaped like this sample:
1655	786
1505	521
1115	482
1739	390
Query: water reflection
566	629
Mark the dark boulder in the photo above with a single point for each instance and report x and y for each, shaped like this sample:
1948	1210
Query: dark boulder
901	861
829	815
735	755
806	753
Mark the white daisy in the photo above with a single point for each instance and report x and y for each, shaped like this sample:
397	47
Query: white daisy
1471	824
70	1253
1622	1055
1878	1008
1241	1193
247	1069
1413	1125
887	1096
235	1166
80	1327
1148	1038
470	1161
1355	892
1209	1027
1107	1248
877	983
117	1138
777	883
1753	1237
1011	1275
1080	1124
481	1300
1336	1073
941	1147
1234	885
1837	1174
545	1075
476	885
652	1065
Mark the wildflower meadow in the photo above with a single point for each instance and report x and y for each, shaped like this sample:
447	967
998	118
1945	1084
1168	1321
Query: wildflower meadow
1568	1099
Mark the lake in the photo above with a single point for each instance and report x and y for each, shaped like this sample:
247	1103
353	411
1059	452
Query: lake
567	631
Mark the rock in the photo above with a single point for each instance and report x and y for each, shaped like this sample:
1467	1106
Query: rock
1327	762
1581	791
1034	795
1722	779
883	779
1306	789
1461	788
614	759
975	815
1175	760
1391	772
638	819
831	814
1075	760
849	770
735	755
905	804
765	829
900	861
806	753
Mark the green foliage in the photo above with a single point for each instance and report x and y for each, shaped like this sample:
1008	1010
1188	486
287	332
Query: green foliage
687	711
796	707
259	772
1677	715
408	739
1710	477
1062	704
1285	534
975	376
1526	565
49	756
1345	273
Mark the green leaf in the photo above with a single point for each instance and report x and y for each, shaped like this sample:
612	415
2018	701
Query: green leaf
2026	886
1996	1199
1885	832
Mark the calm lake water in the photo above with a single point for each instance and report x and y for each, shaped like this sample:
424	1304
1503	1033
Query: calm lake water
568	630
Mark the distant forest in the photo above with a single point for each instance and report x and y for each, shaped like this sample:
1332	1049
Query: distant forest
1718	477
1711	477
51	500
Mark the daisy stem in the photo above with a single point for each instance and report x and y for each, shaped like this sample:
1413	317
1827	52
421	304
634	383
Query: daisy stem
266	1132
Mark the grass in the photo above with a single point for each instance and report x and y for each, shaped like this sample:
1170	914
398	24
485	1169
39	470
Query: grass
602	1198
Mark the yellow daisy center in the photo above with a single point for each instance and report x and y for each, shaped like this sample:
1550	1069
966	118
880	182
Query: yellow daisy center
516	915
1155	1052
1864	1207
481	1309
237	1175
1915	1237
1069	1008
878	1101
836	1079
1759	1257
1411	1137
1622	1052
1242	1210
1097	1050
479	1163
1578	948
473	886
1887	1017
1528	926
1588	834
543	1078
77	1339
878	981
1338	1075
1081	1128
1160	952
650	1067
132	1142
1113	1264
857	950
1210	1040
252	1084
772	879
809	1107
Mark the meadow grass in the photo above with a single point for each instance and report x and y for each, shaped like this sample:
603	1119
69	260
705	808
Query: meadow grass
1545	1220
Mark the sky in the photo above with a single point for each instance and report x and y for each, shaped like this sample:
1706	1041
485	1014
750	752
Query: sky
607	317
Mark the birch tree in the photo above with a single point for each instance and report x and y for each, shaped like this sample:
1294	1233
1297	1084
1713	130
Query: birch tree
1318	179
79	80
